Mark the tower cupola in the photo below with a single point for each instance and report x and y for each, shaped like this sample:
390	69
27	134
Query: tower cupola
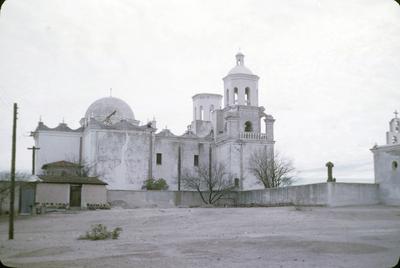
241	85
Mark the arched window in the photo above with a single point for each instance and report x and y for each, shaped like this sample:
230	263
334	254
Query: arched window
247	96
195	113
235	95
227	97
201	113
394	165
248	127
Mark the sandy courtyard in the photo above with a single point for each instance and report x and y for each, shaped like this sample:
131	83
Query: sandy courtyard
206	237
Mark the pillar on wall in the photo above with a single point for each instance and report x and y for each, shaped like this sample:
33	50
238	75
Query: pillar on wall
269	127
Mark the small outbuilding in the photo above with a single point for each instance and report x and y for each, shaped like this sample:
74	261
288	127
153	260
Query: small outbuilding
65	185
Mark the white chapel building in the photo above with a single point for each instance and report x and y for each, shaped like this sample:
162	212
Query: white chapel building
387	164
113	145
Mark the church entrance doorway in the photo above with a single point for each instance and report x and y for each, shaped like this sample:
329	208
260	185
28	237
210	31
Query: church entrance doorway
75	195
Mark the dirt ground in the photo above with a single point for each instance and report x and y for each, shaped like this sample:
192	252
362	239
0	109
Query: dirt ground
209	237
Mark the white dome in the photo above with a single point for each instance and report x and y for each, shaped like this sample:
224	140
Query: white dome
240	69
104	107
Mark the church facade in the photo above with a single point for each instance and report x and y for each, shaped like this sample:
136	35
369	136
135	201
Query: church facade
113	145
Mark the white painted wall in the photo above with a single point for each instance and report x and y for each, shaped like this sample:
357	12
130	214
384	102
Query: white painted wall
93	194
386	175
56	146
52	193
118	157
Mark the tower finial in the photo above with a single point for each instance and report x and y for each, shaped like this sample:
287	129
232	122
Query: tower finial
395	113
239	58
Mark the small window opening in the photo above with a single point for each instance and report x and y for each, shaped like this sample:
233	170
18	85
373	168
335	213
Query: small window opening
236	182
201	113
248	127
227	97
394	139
235	96
247	96
159	159
196	160
394	165
211	108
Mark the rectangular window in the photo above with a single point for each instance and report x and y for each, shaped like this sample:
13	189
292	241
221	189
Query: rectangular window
196	160
159	159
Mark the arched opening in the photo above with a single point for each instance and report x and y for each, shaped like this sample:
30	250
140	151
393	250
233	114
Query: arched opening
235	95
195	113
247	96
394	165
227	97
201	113
248	127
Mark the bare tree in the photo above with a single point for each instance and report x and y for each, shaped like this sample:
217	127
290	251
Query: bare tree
212	184
271	170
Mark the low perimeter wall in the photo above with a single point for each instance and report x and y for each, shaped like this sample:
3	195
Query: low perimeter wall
319	194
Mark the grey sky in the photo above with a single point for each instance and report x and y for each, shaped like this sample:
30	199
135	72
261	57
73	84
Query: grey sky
329	70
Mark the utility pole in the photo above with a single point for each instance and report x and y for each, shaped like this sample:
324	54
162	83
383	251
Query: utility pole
179	167
33	148
12	190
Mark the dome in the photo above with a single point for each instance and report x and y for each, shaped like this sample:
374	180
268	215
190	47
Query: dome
102	108
240	69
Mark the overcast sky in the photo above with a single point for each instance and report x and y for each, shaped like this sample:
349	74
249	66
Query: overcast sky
329	70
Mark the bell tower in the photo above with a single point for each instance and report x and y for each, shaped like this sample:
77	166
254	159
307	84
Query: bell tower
393	135
240	85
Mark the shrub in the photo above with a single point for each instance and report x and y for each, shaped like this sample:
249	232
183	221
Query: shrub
152	184
100	232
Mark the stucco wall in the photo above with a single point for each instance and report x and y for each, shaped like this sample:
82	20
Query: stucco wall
229	154
346	194
120	157
319	194
386	175
136	199
52	193
93	194
311	194
56	146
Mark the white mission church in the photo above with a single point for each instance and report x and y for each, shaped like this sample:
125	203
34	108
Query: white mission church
114	146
